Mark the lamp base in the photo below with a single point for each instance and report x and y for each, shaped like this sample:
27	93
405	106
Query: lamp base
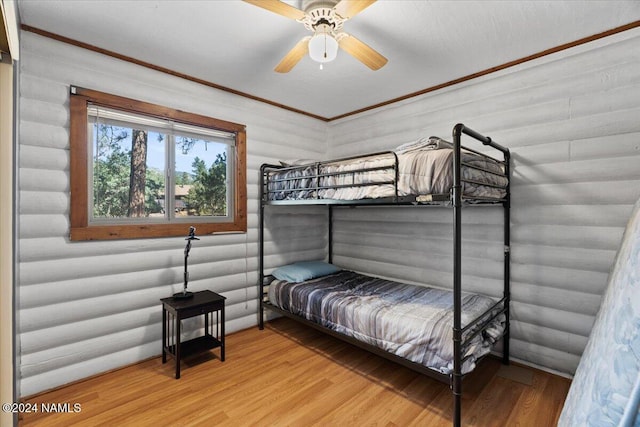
183	295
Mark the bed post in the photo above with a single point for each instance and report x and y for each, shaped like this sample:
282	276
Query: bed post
261	248
330	242
507	258
456	383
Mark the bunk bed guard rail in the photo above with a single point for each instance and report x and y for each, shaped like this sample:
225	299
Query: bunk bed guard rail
305	183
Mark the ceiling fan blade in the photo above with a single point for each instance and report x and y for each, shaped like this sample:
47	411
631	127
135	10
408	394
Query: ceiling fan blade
362	52
350	8
294	56
276	6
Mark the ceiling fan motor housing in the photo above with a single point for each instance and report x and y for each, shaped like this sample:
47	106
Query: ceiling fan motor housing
319	13
307	5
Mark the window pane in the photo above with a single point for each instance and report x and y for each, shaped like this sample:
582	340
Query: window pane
128	172
201	178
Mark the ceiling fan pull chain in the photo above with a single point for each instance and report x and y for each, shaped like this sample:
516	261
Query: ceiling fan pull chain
325	46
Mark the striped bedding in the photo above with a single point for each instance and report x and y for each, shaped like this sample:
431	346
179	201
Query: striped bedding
410	321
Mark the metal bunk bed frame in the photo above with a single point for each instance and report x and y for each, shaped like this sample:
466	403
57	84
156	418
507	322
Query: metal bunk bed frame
456	201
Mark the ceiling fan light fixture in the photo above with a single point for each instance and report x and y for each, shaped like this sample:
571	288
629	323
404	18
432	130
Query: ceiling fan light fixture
323	47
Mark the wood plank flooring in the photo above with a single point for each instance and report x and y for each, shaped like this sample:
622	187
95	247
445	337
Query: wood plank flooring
291	375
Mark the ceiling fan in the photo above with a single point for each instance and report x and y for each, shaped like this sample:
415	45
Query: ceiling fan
325	19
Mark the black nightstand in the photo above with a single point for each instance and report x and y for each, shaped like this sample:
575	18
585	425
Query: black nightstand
204	303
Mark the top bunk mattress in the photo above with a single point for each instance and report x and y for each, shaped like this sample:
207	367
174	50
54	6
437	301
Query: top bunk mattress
425	168
413	322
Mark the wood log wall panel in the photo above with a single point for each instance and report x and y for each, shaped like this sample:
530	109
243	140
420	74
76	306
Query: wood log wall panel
574	194
586	281
550	337
87	307
43	180
44	202
549	357
578	324
45	112
505	93
43	225
43	135
571	121
35	157
570	236
434	246
616	145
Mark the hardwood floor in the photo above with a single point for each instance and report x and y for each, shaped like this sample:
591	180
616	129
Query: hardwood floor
292	375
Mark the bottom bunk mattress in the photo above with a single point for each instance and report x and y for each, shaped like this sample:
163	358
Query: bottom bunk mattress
410	321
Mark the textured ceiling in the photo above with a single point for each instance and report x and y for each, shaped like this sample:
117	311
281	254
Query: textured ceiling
237	45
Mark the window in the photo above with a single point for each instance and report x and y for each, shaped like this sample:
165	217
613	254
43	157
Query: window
142	170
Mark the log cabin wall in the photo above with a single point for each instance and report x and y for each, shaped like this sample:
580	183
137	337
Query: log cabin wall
571	121
87	307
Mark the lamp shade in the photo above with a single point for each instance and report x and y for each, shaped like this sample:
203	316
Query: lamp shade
323	47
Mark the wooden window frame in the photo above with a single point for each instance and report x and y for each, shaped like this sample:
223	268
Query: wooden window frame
79	185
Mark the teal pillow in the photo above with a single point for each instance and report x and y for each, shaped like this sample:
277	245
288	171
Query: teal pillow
304	270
